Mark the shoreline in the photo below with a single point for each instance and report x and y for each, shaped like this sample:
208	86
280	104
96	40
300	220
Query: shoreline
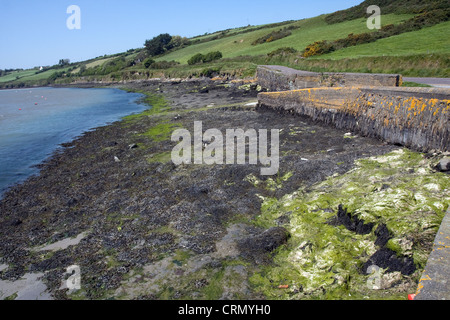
152	230
59	146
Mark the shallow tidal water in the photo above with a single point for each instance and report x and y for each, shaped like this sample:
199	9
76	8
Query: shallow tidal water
34	122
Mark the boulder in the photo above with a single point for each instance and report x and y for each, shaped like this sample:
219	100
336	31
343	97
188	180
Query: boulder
257	247
443	165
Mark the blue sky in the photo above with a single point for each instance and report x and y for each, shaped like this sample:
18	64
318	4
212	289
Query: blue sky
34	32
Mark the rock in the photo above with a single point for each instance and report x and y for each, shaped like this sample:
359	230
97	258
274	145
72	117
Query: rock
443	165
352	223
383	235
116	159
388	259
16	222
390	279
258	246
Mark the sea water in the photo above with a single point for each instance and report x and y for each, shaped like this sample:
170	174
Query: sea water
34	122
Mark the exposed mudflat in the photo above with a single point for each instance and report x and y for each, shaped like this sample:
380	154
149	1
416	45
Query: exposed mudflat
144	228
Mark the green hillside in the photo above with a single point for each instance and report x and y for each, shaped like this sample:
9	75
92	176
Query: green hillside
389	6
425	41
309	31
413	41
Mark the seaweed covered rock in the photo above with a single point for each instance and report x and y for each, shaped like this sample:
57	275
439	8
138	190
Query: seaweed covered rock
388	259
258	246
351	222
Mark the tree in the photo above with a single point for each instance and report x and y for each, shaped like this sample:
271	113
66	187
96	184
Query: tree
64	62
178	41
159	44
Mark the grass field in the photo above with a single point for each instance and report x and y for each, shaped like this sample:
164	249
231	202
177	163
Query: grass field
93	64
30	75
310	30
18	75
428	40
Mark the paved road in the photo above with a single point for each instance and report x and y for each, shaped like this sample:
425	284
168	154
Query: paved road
435	82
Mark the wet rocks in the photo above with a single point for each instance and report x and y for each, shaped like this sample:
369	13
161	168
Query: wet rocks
143	210
258	246
383	235
384	258
388	259
443	165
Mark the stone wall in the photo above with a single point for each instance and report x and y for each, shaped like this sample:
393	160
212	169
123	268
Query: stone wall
279	78
417	118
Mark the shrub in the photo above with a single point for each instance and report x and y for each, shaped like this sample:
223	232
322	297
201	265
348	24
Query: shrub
148	62
209	57
210	72
212	56
317	48
285	51
275	35
163	64
198	58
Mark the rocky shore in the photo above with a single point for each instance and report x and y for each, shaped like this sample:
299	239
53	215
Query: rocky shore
139	227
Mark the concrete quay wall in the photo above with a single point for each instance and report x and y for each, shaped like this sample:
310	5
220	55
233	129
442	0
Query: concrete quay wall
417	118
279	78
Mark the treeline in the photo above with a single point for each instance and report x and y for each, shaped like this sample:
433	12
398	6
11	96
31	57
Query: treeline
6	71
426	19
152	64
164	43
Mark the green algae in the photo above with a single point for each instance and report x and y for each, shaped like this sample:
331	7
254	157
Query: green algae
162	131
270	183
157	103
322	261
162	157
